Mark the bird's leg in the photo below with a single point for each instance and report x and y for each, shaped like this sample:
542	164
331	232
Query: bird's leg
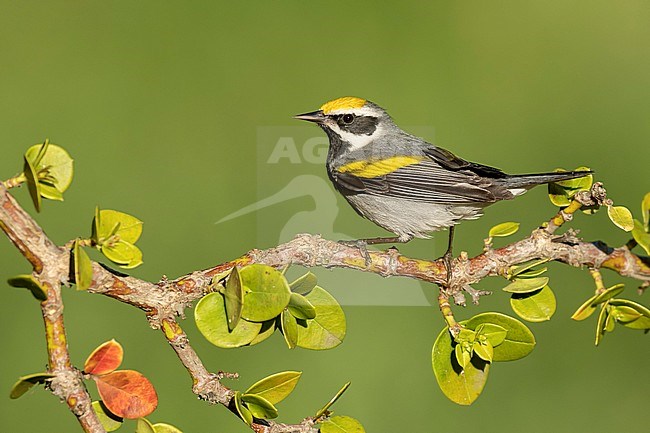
449	256
362	245
391	240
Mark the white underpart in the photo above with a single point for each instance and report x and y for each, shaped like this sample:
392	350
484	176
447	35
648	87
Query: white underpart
408	219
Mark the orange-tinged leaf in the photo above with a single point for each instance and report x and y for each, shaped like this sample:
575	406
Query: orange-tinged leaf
106	358
127	393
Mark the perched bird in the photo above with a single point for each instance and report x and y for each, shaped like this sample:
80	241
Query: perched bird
404	184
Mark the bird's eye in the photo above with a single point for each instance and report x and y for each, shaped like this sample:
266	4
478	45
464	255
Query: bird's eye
348	118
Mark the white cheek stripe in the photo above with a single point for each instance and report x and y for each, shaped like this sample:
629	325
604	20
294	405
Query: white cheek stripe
357	141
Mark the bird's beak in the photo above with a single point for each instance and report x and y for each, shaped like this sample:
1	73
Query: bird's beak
314	116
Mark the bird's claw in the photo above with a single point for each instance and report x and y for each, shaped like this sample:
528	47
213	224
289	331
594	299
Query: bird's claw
447	260
362	246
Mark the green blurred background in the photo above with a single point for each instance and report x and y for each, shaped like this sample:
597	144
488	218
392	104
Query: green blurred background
160	104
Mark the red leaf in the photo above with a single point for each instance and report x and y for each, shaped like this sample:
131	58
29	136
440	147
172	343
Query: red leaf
106	358
127	393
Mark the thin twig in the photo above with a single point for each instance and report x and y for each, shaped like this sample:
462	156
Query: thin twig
50	265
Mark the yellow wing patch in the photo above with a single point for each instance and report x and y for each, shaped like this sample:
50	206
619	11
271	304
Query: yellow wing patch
344	103
370	169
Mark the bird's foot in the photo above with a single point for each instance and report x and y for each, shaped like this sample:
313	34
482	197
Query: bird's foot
362	246
459	296
447	259
475	294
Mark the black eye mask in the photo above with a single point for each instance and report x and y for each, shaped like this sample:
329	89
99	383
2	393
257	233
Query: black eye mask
360	125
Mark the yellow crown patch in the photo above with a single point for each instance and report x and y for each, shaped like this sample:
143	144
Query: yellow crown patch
346	102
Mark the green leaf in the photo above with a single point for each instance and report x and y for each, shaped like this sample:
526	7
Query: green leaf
107	419
610	322
504	229
119	252
33	185
94	236
83	267
495	334
210	318
50	192
641	236
645	211
259	406
266	292
289	326
234	295
466	335
341	424
136	259
332	400
115	233
125	254
519	340
526	285
29	282
532	273
600	325
577	184
300	307
160	427
276	387
41	149
483	350
55	164
268	328
624	314
463	353
561	192
243	412
536	306
144	426
25	383
460	385
608	294
638	307
558	195
621	217
327	329
642	323
129	230
585	310
518	270
304	284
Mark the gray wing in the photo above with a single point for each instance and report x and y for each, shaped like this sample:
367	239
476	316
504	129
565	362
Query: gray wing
429	181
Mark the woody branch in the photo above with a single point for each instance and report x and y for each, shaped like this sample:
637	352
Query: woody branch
165	300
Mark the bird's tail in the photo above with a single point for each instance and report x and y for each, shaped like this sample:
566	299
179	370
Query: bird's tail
528	181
